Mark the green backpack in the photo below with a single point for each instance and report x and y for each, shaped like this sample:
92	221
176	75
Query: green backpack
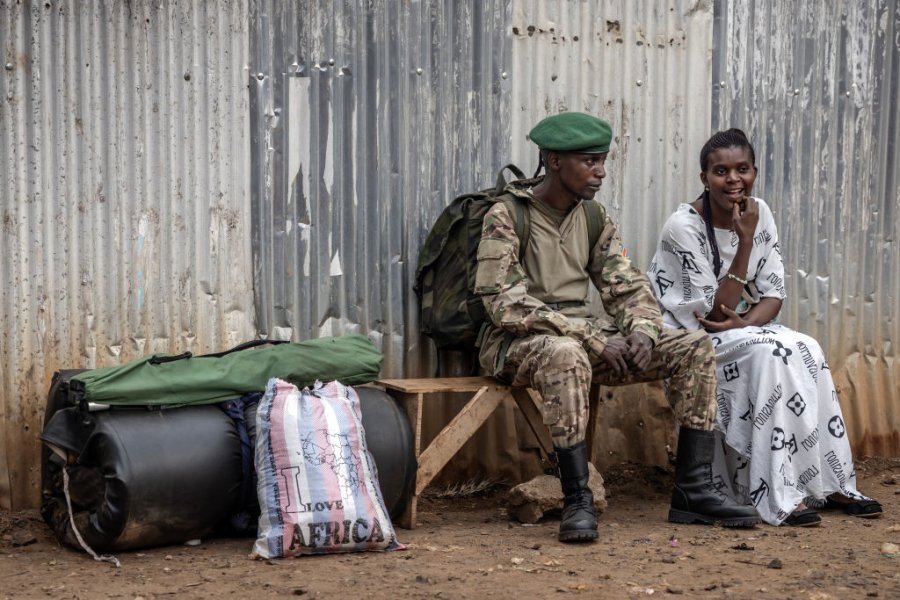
451	314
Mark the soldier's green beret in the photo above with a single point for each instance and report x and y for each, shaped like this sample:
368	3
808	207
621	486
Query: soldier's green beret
572	132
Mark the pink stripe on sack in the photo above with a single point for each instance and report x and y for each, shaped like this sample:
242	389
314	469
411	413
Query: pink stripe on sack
286	492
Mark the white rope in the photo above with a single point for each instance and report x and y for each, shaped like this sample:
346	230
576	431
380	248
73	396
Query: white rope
102	558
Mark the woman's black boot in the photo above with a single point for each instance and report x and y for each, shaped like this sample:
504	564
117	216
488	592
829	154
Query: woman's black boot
696	497
579	517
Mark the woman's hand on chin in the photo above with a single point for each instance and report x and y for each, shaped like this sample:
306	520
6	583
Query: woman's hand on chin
732	321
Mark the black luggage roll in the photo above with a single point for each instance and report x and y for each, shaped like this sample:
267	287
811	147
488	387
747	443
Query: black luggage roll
148	477
390	440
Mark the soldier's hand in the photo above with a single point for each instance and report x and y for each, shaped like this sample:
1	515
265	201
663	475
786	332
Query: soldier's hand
640	347
614	355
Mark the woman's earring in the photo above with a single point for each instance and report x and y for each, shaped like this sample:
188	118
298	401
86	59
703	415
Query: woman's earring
706	188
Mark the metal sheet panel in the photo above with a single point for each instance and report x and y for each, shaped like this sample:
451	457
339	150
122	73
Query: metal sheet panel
642	66
123	196
816	92
368	118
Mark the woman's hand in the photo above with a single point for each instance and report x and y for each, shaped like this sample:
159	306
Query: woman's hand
744	218
732	321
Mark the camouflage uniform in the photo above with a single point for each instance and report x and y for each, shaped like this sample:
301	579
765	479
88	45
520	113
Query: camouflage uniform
544	336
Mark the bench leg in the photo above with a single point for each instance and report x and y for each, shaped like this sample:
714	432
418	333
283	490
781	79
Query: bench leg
456	433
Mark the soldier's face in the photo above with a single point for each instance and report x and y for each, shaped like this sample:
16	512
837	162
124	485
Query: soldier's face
730	175
582	174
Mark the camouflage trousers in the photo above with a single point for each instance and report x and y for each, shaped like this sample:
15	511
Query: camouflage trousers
562	371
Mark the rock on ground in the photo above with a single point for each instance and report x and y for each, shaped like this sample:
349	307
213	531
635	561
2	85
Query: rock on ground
530	501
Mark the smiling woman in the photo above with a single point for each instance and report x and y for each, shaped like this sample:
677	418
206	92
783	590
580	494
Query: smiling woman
718	267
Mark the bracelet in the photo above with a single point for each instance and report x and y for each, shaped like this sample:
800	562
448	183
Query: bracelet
731	275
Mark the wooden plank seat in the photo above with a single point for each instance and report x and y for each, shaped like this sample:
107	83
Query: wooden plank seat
487	395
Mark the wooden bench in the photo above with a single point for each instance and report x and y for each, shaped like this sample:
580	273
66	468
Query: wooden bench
487	394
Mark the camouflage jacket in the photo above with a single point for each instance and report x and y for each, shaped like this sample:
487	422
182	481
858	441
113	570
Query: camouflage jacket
547	291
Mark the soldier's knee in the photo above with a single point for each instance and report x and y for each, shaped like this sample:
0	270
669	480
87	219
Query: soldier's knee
568	354
697	346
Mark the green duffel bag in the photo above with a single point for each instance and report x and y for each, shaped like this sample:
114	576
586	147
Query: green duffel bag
184	379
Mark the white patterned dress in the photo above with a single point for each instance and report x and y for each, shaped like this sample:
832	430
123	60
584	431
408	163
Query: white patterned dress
777	407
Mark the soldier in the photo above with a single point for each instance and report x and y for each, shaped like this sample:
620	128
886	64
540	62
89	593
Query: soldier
542	334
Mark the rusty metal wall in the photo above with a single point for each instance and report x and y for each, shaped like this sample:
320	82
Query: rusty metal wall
642	66
183	176
367	118
124	213
371	116
816	91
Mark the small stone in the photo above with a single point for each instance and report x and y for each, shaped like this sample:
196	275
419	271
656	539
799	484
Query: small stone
674	590
742	546
774	564
890	550
23	538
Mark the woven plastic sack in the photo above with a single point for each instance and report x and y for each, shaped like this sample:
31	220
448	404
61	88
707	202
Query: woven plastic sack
317	483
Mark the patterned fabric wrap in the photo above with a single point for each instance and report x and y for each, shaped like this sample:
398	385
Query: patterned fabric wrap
317	483
780	417
778	411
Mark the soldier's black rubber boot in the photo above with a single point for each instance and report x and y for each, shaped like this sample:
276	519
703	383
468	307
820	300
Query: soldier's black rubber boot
696	497
579	517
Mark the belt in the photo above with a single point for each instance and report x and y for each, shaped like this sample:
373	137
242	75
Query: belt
564	304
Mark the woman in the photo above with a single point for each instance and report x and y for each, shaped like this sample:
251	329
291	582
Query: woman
718	266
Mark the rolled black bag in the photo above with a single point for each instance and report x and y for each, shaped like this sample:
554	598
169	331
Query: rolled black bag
147	478
141	477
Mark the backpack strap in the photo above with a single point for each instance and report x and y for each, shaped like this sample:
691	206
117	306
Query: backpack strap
593	211
501	178
522	220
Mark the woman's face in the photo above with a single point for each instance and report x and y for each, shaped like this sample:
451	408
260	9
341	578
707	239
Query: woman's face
729	175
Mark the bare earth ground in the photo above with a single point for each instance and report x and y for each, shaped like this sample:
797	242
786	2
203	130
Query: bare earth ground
466	547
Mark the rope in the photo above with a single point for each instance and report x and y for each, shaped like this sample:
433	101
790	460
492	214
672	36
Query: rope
102	558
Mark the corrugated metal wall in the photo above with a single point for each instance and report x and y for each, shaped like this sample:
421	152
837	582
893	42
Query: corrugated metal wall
123	191
816	90
373	115
644	67
370	116
182	176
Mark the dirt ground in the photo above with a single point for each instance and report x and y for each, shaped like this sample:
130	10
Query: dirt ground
466	547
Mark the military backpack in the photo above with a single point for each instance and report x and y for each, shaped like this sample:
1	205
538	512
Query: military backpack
451	314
